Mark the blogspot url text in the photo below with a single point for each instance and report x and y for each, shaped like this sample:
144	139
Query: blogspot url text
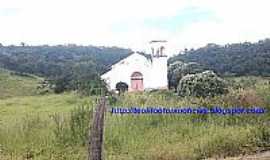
189	110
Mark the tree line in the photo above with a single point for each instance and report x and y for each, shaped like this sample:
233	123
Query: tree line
236	59
74	67
66	67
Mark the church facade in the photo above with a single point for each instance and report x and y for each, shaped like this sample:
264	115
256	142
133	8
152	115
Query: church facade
139	71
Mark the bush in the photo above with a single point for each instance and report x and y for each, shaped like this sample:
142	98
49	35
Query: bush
121	87
244	98
80	124
243	82
205	84
74	130
178	70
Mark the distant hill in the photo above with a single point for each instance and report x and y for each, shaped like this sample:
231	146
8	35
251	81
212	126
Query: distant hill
231	59
13	85
50	61
67	67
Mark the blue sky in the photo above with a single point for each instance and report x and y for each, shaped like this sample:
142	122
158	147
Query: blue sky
132	24
5	12
183	18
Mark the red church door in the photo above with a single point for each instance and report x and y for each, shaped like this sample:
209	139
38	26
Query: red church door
137	81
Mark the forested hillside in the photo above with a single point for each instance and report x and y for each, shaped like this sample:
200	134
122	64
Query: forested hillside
67	67
53	60
231	59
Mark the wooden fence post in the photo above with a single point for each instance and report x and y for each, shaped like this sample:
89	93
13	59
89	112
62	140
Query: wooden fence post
96	132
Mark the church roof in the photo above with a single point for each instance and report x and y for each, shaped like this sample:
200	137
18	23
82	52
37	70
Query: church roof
148	56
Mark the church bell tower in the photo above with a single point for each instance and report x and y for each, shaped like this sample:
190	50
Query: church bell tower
158	48
159	63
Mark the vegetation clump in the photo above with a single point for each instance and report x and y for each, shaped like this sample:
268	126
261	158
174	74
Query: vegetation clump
179	69
205	84
121	87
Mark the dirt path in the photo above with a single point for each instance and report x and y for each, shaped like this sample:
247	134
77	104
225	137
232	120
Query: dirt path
258	156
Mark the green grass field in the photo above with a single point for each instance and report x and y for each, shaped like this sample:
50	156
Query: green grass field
55	127
27	123
13	85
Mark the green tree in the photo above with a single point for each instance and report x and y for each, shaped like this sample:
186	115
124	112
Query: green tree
205	84
178	70
121	87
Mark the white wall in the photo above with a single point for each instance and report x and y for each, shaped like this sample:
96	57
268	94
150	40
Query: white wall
159	73
154	72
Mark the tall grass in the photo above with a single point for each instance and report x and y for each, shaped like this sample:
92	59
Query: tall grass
12	85
56	127
44	127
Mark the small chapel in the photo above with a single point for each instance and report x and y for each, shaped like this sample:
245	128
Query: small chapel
141	71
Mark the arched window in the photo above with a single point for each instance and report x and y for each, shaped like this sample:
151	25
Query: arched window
162	50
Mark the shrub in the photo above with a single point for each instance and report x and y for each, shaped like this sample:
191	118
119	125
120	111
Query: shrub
74	130
243	82
121	87
79	123
178	70
262	136
205	84
243	98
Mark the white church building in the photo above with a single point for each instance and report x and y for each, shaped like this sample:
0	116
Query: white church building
140	71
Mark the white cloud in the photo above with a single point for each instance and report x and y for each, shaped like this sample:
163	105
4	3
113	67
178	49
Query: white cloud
238	21
91	22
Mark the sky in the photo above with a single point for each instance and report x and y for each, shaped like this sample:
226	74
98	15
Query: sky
133	23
